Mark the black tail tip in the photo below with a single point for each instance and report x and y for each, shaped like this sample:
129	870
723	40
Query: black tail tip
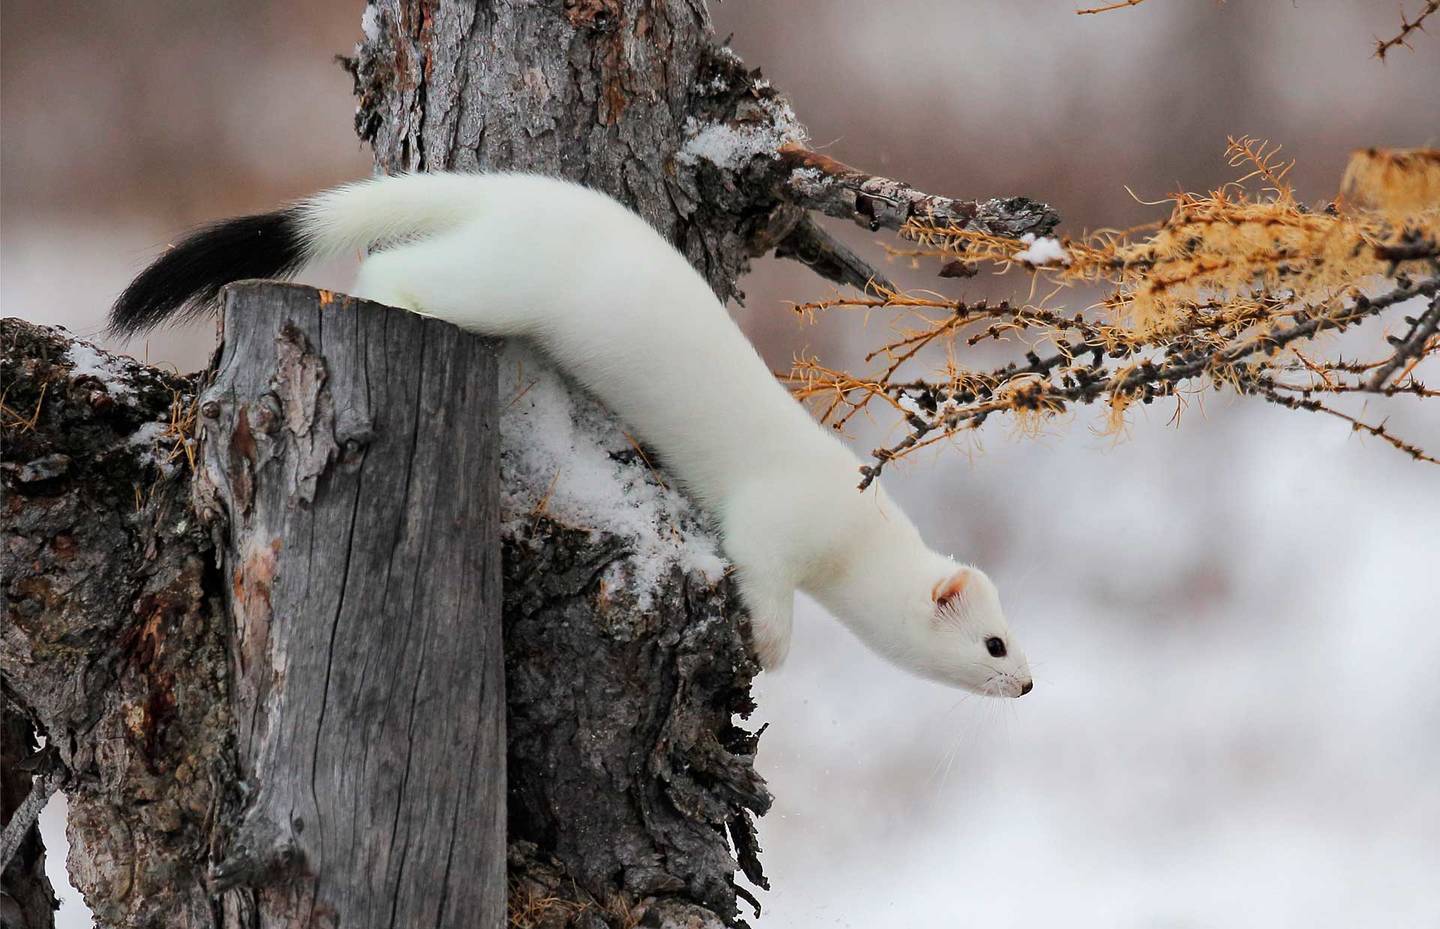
187	279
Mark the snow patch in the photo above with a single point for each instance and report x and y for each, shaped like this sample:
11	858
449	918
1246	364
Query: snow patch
1042	251
146	442
808	175
370	23
87	361
731	145
809	182
944	408
563	456
715	86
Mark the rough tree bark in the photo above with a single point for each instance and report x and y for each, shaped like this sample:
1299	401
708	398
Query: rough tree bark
349	467
112	643
625	665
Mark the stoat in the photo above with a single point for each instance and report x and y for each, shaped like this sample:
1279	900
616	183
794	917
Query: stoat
620	310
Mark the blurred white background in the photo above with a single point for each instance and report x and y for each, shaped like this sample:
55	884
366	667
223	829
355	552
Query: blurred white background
1234	625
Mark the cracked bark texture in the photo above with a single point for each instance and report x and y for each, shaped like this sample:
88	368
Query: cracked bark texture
112	646
639	99
349	469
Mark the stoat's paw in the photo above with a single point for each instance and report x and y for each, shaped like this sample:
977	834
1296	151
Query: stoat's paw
771	639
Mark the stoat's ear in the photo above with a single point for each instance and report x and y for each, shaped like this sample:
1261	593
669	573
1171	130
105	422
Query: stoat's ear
950	590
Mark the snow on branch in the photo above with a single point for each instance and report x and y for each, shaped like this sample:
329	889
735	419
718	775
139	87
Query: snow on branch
1243	287
745	152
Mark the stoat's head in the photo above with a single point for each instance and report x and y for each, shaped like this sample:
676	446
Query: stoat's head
965	641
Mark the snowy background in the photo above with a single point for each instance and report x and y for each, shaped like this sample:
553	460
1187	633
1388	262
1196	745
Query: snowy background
1234	626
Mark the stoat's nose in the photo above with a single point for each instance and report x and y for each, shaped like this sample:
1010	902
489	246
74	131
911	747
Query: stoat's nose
1029	686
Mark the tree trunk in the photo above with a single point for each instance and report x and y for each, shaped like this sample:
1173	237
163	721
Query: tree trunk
112	644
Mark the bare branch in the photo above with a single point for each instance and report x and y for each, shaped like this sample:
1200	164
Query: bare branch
1407	26
1412	346
51	778
818	182
1118	5
1382	46
830	258
1380	431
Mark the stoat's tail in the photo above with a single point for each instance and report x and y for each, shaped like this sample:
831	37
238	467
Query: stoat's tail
188	277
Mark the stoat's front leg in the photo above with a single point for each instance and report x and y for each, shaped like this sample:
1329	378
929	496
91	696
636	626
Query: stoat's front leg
772	609
755	522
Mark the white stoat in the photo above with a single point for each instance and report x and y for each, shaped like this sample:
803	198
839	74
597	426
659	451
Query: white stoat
624	314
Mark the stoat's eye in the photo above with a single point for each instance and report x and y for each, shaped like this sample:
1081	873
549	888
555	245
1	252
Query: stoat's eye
995	646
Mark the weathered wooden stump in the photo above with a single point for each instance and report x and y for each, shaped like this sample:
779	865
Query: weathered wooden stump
349	461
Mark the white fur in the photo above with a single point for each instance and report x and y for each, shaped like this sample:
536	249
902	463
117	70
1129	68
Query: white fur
625	315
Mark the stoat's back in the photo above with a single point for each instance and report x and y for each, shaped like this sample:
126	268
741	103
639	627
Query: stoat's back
618	308
622	312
